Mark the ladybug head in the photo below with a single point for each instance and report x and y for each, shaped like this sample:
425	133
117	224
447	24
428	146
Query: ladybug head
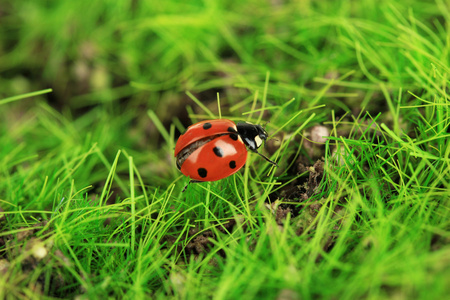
252	135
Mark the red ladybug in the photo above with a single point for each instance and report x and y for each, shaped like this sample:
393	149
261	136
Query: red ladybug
215	149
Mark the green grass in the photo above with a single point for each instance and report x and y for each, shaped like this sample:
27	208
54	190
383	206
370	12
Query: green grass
94	94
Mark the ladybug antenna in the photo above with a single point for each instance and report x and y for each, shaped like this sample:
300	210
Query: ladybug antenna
266	158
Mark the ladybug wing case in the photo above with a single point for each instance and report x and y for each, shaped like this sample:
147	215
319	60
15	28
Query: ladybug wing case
217	159
203	130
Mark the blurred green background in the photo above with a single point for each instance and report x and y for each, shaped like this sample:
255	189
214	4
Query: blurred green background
129	54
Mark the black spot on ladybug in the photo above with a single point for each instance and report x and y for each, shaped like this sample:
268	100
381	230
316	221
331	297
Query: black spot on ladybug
232	164
202	172
207	126
232	130
234	137
218	151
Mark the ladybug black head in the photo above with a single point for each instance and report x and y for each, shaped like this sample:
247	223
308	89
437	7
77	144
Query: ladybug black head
252	135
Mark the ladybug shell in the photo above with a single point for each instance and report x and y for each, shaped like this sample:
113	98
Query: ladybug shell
217	159
203	130
221	156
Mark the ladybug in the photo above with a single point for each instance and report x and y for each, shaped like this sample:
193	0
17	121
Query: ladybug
214	149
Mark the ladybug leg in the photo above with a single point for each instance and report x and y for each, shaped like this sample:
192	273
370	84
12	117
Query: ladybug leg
266	158
187	184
